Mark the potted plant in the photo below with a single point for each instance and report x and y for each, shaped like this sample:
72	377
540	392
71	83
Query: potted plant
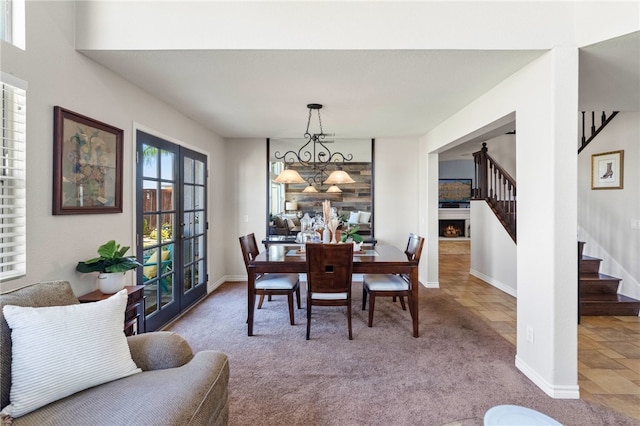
111	265
352	234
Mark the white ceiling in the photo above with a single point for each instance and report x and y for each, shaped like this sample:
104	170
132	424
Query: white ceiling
365	93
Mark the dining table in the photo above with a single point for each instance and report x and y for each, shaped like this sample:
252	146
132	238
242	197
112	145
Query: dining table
381	259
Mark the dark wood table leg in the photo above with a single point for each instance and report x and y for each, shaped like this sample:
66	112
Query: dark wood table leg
413	303
251	278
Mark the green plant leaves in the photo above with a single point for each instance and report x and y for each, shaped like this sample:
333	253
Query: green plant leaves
112	259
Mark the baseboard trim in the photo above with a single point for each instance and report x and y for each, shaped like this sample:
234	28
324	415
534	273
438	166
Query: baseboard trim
497	284
556	392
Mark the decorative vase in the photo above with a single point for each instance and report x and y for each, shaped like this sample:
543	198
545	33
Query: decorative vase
111	282
326	235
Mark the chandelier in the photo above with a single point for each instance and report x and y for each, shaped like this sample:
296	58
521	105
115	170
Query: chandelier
316	156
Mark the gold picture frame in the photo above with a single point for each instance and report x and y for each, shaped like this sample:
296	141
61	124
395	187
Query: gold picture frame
607	170
87	165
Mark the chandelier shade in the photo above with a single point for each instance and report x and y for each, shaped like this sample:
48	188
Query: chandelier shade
338	177
334	188
289	176
310	189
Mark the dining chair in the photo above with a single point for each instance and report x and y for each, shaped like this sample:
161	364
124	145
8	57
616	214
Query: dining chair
270	284
391	285
329	270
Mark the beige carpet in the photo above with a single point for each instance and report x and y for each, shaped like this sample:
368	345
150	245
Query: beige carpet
451	375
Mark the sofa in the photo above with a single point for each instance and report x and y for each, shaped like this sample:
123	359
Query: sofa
170	384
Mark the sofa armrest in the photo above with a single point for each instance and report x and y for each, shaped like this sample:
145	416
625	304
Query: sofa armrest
159	350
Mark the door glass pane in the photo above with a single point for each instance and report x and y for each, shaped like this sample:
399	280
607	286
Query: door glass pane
188	278
150	161
188	170
149	197
166	197
166	275
188	197
188	251
200	272
149	225
200	173
199	197
189	229
166	228
199	245
199	224
167	159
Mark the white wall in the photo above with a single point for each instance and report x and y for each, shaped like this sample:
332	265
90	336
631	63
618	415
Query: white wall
58	75
245	198
606	216
396	192
457	169
503	149
493	252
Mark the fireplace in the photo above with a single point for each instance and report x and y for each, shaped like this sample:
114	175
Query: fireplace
452	228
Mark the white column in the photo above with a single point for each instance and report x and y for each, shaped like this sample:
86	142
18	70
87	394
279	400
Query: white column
547	226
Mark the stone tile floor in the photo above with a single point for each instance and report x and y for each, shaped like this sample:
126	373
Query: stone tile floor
608	347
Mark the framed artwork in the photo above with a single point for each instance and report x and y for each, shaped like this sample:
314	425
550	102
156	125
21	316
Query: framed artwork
87	165
607	170
454	190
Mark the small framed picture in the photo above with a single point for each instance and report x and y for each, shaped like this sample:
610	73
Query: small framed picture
87	165
607	170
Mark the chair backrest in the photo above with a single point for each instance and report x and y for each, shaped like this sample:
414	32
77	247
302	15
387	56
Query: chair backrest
329	267
249	249
414	247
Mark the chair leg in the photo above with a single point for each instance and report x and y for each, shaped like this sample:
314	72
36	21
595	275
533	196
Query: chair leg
404	307
364	297
290	302
298	297
349	320
261	300
308	318
372	303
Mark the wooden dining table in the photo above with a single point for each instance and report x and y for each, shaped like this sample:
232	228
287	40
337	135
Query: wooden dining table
291	259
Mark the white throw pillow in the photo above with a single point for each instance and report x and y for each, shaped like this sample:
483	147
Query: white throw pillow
60	350
364	217
354	217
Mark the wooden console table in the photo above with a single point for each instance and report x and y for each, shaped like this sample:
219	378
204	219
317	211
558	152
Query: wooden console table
134	312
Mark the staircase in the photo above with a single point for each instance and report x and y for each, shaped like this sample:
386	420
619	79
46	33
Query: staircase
598	292
497	188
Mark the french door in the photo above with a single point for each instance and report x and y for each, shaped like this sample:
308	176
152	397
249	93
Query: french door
171	189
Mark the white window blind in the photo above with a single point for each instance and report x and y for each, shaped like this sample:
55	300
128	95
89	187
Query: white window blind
12	180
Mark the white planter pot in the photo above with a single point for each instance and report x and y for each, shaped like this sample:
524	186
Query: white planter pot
109	283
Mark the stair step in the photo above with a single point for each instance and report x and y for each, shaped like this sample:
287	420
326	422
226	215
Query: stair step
608	305
598	284
589	264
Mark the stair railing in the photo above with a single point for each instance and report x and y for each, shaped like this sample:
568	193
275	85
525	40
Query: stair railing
604	120
497	188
